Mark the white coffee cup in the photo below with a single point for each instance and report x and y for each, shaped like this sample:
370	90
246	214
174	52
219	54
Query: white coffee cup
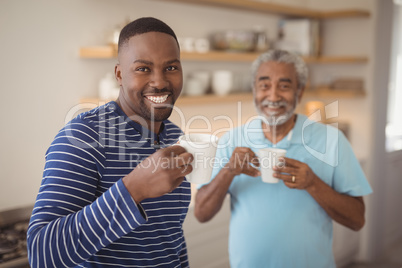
194	87
203	148
269	157
188	44
197	83
222	82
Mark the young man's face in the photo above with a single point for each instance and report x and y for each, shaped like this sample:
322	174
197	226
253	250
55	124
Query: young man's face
150	76
276	91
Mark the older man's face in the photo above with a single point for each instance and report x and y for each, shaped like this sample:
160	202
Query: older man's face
275	92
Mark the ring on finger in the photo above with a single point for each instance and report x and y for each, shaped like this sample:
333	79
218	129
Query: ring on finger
293	179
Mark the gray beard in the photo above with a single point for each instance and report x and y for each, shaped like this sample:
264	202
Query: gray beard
276	120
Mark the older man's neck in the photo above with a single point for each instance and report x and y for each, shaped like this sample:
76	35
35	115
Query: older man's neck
276	133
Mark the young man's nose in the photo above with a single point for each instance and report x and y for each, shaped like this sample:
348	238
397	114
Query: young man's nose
158	80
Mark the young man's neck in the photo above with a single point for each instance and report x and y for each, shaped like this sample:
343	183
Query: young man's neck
153	126
275	133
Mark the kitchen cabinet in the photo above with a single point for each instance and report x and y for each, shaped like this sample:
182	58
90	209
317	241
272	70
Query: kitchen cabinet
110	52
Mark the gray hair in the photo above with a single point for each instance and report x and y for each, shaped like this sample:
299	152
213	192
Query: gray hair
285	57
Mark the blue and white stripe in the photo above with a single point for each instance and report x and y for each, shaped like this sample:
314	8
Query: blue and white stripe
85	217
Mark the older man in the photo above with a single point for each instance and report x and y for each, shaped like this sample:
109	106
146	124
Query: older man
287	224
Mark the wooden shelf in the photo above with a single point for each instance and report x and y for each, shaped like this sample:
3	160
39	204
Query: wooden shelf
214	99
220	56
249	57
248	97
334	93
192	100
279	9
98	52
244	97
108	52
336	59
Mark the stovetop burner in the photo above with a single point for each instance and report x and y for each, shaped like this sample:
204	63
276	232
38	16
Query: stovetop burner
13	230
7	246
13	241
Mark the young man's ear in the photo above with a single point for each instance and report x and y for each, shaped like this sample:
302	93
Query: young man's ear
117	74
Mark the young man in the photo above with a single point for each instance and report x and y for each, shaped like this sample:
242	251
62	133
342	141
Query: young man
287	224
113	193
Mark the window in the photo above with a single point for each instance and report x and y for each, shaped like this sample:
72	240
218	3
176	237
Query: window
394	113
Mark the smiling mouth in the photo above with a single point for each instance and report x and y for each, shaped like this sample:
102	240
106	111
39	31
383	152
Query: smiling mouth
272	109
272	106
157	99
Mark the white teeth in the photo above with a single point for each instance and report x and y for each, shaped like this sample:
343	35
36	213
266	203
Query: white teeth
157	99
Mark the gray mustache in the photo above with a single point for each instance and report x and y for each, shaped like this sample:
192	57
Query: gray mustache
274	103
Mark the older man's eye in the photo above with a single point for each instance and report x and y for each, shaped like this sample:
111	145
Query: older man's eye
285	87
142	69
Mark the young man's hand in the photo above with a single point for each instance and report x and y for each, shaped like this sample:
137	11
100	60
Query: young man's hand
159	174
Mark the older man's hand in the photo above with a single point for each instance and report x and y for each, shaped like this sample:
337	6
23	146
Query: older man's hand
295	174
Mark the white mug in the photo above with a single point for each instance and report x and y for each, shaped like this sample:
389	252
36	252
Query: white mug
203	148
222	82
268	158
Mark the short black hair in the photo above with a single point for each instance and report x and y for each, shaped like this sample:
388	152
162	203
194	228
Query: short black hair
144	25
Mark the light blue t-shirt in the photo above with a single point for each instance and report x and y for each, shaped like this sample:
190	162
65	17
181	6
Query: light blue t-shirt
274	226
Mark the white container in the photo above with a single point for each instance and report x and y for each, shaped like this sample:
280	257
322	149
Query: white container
194	87
222	82
201	45
203	148
197	83
268	158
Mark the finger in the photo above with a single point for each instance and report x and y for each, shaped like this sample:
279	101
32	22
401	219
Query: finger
253	158
242	150
183	159
282	176
290	185
255	161
244	153
285	169
291	162
175	149
250	171
184	170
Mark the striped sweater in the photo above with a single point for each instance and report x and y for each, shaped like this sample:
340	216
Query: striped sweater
85	217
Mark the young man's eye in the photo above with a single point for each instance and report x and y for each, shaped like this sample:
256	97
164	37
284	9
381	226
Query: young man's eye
171	68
